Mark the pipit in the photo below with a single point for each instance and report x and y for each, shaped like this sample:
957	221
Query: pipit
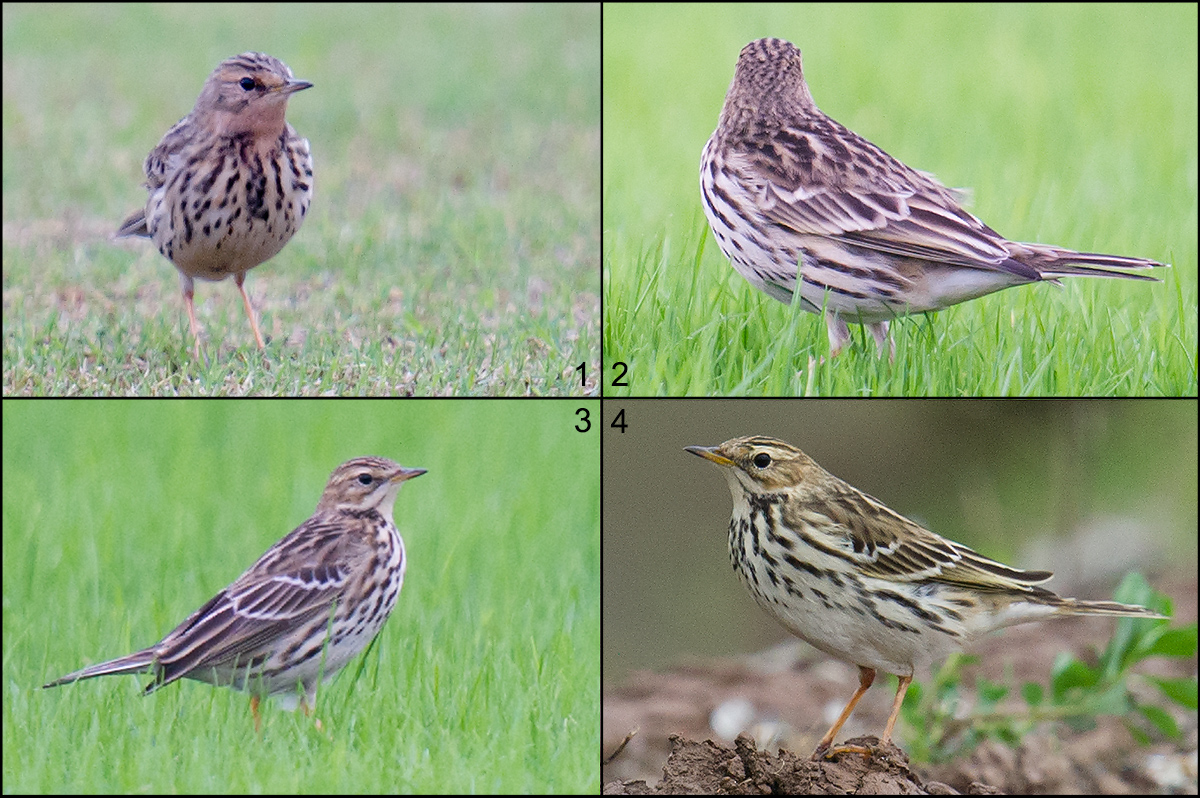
230	183
805	209
306	608
851	577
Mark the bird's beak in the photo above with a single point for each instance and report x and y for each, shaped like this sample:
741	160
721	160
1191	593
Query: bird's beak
405	474
293	86
709	453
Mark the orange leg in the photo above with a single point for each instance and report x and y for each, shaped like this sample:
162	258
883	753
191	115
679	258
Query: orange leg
190	303
866	676
254	703
901	689
240	278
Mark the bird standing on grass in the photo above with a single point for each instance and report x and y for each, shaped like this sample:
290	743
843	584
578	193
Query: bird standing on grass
310	604
230	183
808	211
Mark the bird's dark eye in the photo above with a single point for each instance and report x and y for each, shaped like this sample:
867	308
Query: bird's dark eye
246	83
365	479
762	460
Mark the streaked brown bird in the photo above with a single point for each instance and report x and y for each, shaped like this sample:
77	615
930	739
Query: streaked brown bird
231	182
808	211
310	604
853	578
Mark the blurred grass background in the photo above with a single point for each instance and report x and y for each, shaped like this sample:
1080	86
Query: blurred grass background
1074	125
452	246
120	518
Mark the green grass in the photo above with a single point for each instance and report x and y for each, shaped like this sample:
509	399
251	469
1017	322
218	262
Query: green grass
1074	126
121	518
452	247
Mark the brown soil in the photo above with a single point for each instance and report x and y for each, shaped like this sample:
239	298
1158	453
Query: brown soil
709	768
